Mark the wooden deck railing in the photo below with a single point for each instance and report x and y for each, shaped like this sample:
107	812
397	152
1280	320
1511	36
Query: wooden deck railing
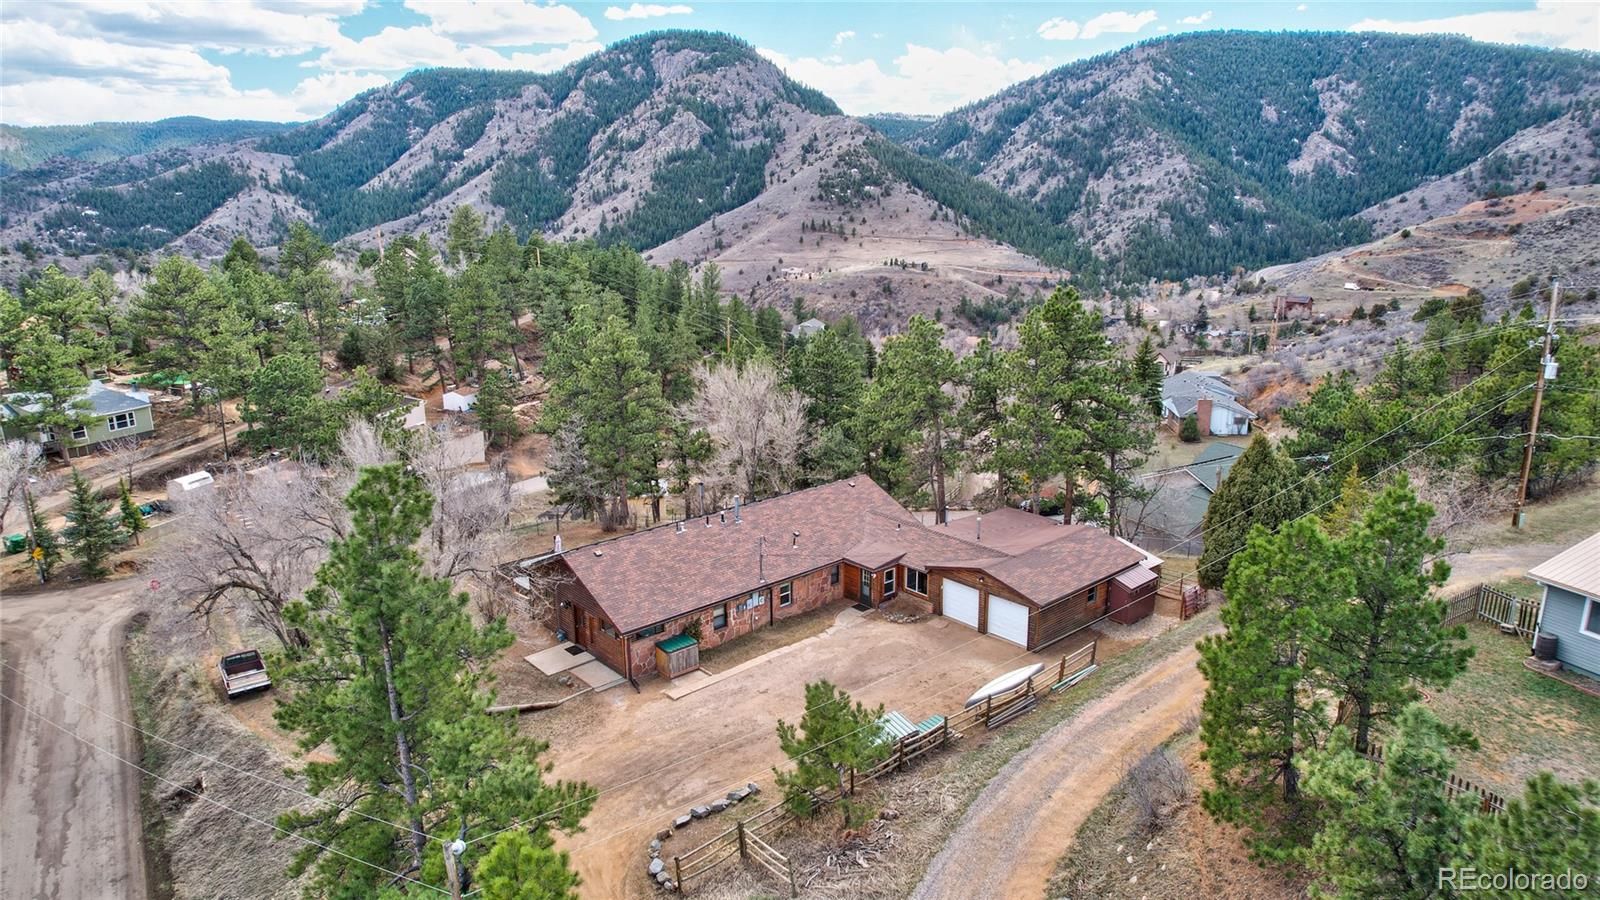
748	838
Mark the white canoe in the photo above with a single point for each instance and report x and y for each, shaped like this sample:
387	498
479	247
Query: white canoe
1006	682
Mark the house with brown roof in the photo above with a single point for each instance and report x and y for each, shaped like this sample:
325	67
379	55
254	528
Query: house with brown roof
1020	577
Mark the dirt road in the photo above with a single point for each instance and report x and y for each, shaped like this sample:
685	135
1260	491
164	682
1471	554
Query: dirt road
69	813
1025	819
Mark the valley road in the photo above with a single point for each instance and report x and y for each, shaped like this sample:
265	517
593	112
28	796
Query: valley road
69	811
1025	819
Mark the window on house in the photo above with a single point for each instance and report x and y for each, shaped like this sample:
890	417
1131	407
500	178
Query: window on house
1591	617
80	433
719	617
47	435
833	576
651	631
121	421
917	581
786	593
888	582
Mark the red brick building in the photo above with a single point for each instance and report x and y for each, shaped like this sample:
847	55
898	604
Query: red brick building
1020	577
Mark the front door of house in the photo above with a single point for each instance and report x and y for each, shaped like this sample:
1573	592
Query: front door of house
582	627
866	586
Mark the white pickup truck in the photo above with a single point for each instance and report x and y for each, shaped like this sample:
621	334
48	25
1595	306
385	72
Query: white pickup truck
243	672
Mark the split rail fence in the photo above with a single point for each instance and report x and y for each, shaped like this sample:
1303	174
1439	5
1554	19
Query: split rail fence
748	839
1489	604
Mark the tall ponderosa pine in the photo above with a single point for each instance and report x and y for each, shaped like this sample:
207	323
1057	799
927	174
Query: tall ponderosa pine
49	371
524	866
1260	712
1263	488
44	545
1390	639
393	685
623	414
182	319
495	408
911	401
1147	376
1388	829
91	533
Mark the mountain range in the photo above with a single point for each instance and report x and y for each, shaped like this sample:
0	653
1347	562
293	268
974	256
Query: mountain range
1190	155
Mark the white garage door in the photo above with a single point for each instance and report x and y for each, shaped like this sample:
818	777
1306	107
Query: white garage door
961	602
1008	620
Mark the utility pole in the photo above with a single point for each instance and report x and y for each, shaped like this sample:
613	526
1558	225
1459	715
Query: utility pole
451	875
1538	401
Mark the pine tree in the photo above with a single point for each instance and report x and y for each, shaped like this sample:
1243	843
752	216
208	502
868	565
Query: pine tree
909	401
1351	504
91	534
619	401
1189	429
523	866
1122	432
1260	712
1147	376
181	317
49	372
1389	828
494	407
128	512
1262	488
984	376
1553	827
44	544
392	684
835	734
1390	638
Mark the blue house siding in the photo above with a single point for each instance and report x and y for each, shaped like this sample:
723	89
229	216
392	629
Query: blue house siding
1562	616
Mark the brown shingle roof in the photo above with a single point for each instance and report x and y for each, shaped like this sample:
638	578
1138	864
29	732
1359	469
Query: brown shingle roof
652	576
1011	531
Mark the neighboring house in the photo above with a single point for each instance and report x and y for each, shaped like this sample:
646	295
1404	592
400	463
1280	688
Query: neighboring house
1207	397
1286	306
1170	519
413	412
111	414
1010	574
808	328
1571	608
1172	361
459	401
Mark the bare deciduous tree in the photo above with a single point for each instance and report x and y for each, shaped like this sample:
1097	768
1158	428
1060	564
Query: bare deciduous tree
18	462
1459	497
756	424
122	455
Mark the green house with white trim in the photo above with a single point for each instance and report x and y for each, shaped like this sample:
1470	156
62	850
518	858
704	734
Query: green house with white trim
111	415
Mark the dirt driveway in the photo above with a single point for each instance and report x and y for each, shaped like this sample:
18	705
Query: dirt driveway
1008	842
69	812
663	756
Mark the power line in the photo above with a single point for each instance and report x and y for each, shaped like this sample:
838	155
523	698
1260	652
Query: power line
200	796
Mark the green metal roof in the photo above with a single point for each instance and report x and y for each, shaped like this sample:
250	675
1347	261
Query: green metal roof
678	642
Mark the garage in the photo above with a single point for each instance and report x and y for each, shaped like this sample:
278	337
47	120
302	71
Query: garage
1008	620
961	602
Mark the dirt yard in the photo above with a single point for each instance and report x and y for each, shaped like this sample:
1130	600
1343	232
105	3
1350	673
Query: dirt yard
653	757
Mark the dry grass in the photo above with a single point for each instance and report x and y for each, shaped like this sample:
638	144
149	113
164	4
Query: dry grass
771	637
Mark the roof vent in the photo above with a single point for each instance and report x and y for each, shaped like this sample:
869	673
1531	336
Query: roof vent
737	518
795	541
977	525
598	551
680	528
558	543
722	517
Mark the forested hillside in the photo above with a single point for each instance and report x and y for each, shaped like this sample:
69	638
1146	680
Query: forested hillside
102	142
1201	152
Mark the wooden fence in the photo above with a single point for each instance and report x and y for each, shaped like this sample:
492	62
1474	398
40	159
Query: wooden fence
1493	605
1454	785
748	838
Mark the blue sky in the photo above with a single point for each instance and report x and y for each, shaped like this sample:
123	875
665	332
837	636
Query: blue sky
290	60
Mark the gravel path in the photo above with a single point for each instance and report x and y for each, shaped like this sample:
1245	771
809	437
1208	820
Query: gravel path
1009	841
69	808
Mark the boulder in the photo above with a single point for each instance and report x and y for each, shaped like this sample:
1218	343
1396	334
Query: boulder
700	812
663	834
680	821
751	787
662	878
669	885
720	804
888	815
735	796
655	845
657	867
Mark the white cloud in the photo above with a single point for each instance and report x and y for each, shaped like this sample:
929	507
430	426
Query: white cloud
843	36
1571	26
924	80
646	11
1196	20
1301	8
1117	22
1059	29
397	49
59	100
505	23
273	28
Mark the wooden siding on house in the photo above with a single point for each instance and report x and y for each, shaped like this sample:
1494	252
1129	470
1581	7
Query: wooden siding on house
1562	615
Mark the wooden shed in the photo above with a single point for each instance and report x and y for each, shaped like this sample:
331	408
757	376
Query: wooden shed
677	655
1133	595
